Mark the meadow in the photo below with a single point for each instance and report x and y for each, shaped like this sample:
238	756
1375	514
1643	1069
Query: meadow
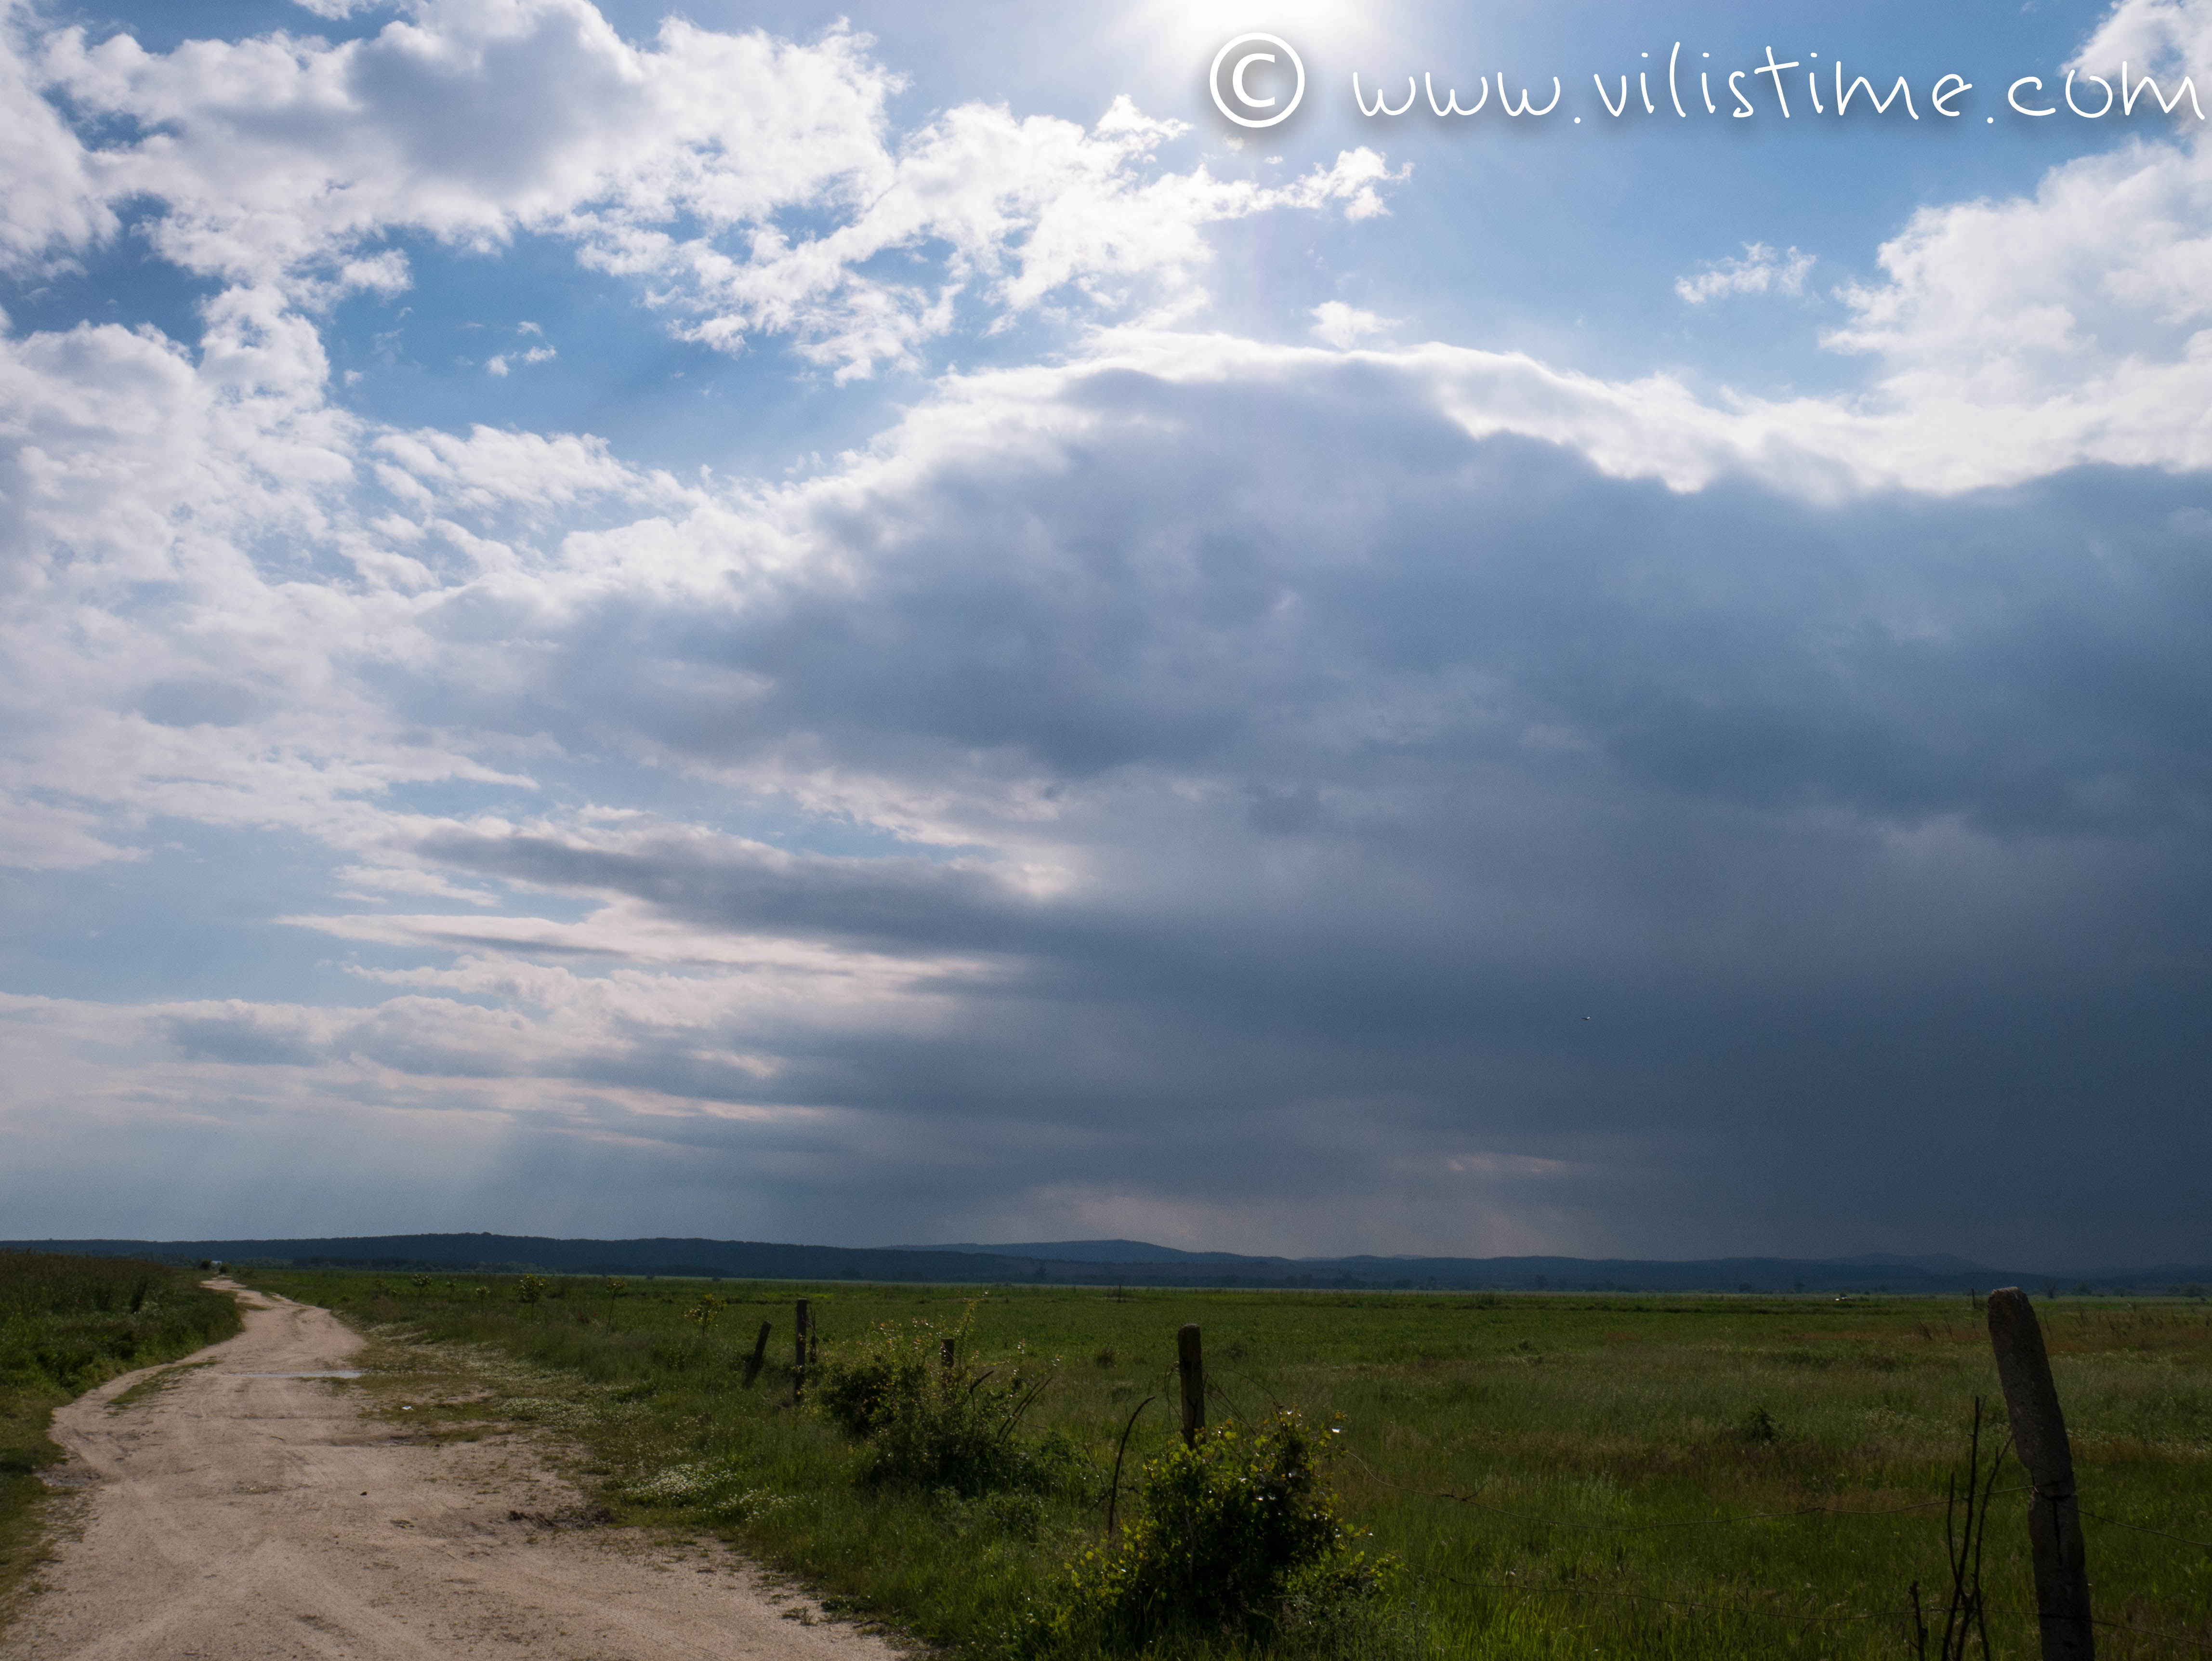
1556	1476
66	1325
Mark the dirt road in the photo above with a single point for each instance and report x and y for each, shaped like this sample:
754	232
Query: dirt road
238	1518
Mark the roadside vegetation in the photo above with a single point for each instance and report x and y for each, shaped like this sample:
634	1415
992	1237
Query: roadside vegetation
1384	1475
66	1325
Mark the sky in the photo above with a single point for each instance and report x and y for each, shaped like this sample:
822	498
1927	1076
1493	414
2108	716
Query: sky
884	624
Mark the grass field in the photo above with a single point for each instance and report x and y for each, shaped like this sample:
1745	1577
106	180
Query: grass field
66	1325
1564	1475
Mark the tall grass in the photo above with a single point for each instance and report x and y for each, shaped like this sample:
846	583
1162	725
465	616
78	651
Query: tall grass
66	1325
1561	1475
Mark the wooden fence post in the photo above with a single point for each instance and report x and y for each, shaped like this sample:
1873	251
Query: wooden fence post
1190	1362
802	1332
2054	1517
759	1357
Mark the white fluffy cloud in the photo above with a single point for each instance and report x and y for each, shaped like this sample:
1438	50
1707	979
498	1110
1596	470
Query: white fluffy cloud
2169	37
52	203
1336	324
755	182
1760	270
2021	335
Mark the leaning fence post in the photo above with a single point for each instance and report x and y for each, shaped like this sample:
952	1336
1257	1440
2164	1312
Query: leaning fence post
759	1356
2054	1517
1190	1362
801	1333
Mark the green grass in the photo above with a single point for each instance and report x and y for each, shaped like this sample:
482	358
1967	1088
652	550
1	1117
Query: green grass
1627	1469
66	1325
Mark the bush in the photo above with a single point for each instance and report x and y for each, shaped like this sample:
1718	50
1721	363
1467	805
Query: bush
1237	1540
931	1425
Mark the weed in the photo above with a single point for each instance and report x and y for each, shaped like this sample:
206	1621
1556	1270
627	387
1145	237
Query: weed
1236	1538
934	1422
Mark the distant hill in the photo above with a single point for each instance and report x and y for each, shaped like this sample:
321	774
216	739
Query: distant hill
1098	1251
1936	1263
1126	1262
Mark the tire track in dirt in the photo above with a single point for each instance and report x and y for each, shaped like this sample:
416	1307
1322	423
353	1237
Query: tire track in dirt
230	1518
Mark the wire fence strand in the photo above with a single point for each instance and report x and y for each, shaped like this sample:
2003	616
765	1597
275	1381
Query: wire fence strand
1735	1606
2145	1632
1682	1523
2137	1528
1215	1385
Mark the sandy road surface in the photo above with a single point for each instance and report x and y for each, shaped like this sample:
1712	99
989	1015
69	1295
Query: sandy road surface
237	1519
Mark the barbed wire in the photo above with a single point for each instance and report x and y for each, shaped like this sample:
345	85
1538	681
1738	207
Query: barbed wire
1740	1606
1215	1385
1680	1523
1212	1387
2137	1528
1669	1603
2145	1632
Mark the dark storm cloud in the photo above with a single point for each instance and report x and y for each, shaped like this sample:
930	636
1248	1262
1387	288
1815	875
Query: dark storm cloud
1314	585
893	903
1871	837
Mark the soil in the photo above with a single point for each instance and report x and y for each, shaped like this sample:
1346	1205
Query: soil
235	1517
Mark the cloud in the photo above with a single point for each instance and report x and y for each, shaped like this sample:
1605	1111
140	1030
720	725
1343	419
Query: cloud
1266	753
1343	326
2070	325
732	886
53	205
2169	37
1295	808
498	365
1760	270
687	164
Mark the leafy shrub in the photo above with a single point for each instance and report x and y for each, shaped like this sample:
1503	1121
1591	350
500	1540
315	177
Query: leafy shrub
702	1313
1236	1539
932	1426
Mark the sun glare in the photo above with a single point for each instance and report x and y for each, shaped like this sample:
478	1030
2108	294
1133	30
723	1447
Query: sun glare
1173	41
